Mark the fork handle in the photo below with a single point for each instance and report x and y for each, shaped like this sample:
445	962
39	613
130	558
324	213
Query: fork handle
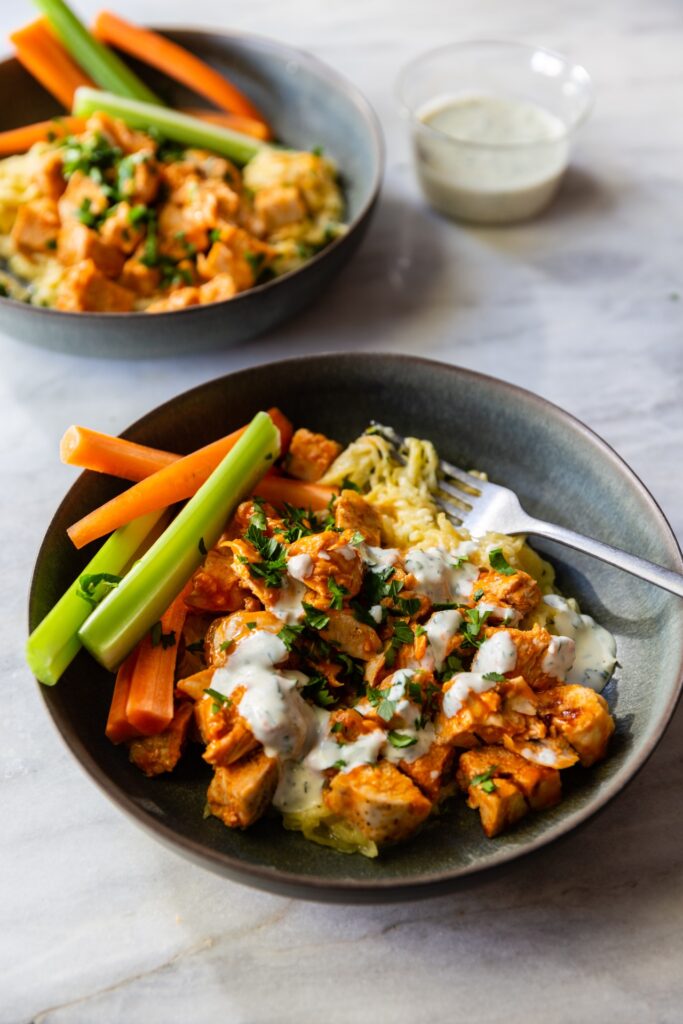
650	571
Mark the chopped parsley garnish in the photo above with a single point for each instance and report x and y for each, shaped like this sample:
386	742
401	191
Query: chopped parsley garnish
337	727
451	665
494	677
472	625
401	635
139	213
157	636
485	780
401	739
499	562
419	631
273	555
314	617
362	614
337	593
258	516
444	606
379	700
478	594
298	523
347	484
339	764
215	235
251	625
407	605
202	547
94	587
318	150
51	244
85	214
219	700
289	635
255	261
195	648
318	689
150	253
357	539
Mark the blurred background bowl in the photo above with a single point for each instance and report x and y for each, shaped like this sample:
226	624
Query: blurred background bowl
308	105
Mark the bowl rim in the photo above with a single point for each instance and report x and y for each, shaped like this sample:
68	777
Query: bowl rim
423	885
286	52
410	113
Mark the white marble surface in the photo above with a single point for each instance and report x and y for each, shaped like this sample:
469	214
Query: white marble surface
100	924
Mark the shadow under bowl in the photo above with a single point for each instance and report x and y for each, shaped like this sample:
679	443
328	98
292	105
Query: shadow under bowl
560	470
310	105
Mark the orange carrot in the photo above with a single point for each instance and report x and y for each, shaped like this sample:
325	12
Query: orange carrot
42	54
106	454
175	482
281	489
19	140
174	61
118	727
246	125
149	707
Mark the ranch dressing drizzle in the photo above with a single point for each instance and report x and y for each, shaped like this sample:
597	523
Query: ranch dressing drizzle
460	687
596	648
497	654
441	574
276	713
440	628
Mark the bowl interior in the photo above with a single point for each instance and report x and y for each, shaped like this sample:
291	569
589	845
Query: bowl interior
560	471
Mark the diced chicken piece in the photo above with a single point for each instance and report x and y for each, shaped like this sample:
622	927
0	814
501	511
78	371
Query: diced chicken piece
138	278
242	792
433	771
220	259
352	511
492	775
119	230
226	734
195	685
141	185
117	133
157	754
246	555
279	206
532	647
50	180
350	724
202	163
580	715
352	637
508	708
238	253
215	585
379	800
552	752
311	455
193	209
82	194
519	591
85	289
248	509
218	289
181	298
78	242
223	633
332	557
36	226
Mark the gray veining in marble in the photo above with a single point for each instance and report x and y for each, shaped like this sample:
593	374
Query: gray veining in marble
100	924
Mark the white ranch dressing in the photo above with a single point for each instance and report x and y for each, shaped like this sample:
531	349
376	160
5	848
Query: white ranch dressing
497	654
378	558
441	574
440	628
459	689
559	658
595	648
300	567
289	604
497	613
277	714
489	158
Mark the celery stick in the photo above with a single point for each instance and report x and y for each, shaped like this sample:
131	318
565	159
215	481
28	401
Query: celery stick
54	643
130	611
179	127
101	63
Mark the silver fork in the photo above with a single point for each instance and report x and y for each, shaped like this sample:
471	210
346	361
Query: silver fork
478	505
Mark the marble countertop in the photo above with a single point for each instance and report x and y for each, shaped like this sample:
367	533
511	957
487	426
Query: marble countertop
98	923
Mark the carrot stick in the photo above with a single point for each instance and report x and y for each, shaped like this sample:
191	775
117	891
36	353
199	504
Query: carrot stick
19	140
118	727
175	482
149	708
246	125
280	490
42	54
106	454
174	61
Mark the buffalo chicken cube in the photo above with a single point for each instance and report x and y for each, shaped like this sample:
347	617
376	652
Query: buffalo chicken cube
78	242
140	184
218	289
117	133
226	734
379	800
215	585
161	753
36	226
580	715
181	298
532	647
353	512
517	591
279	206
119	230
240	793
85	288
500	784
138	277
223	634
354	638
432	772
330	556
81	197
311	455
50	179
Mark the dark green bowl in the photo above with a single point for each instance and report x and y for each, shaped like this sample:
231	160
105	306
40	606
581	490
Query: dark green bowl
560	470
309	105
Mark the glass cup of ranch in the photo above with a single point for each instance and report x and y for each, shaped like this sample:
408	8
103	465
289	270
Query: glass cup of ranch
492	125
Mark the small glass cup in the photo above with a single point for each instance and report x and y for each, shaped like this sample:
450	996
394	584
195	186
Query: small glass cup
496	181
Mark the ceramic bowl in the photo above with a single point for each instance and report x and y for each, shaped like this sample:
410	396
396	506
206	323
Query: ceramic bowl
560	470
310	105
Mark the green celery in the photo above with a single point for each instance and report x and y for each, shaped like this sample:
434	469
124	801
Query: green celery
54	643
103	66
130	611
180	127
